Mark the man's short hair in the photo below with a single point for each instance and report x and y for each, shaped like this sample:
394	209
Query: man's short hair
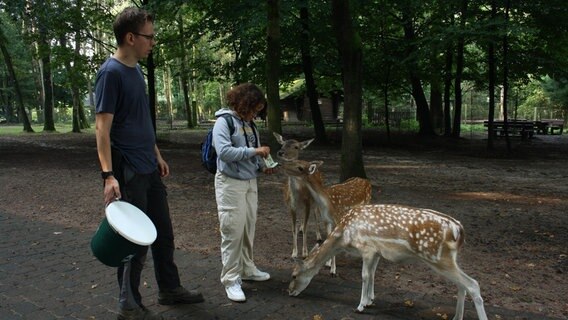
131	19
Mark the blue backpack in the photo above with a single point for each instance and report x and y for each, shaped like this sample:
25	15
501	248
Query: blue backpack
208	153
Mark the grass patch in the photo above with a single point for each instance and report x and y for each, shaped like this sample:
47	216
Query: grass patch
18	129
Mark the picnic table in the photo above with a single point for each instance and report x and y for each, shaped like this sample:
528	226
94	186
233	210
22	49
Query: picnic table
521	128
526	129
549	126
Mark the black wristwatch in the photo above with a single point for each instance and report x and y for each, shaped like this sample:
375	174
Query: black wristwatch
106	174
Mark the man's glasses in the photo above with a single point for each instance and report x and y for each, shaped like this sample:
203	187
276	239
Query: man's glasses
147	36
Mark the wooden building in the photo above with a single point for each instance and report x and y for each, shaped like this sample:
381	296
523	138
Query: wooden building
296	108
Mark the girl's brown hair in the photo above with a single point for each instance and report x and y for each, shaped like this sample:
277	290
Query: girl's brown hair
245	99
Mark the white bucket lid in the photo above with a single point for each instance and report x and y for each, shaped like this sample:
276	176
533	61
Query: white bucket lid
131	223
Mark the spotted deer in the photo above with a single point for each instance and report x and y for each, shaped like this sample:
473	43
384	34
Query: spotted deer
343	196
395	232
352	192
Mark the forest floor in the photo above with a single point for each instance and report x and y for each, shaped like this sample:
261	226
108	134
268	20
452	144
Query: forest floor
513	206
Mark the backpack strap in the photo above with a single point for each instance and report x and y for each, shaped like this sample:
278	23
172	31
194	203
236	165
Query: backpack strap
230	123
254	131
253	127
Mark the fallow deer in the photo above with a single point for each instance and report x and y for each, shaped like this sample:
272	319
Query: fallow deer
394	232
343	196
296	196
352	192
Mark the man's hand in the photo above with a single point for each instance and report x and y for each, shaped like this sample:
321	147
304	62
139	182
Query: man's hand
163	167
111	190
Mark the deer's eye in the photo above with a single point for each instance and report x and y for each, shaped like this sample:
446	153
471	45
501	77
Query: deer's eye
293	277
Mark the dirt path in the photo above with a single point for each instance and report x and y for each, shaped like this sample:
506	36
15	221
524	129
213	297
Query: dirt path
513	208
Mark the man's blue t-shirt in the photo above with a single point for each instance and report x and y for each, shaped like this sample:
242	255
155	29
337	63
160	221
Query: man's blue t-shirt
121	90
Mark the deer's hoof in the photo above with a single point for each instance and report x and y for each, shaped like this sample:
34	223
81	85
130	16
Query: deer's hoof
359	309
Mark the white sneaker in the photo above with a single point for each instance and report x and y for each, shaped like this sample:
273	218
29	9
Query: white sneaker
257	275
235	293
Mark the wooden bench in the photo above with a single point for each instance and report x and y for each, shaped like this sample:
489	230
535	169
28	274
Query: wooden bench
521	128
550	126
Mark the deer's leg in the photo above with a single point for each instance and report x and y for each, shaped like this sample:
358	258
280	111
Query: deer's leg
472	287
307	209
330	263
317	220
332	267
465	283
374	270
370	261
294	234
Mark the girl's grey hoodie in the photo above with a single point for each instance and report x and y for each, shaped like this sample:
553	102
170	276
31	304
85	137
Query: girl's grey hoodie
234	158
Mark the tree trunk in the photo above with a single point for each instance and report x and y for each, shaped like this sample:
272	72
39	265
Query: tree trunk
73	77
151	68
184	75
168	94
491	64
436	103
447	91
459	72
506	72
83	117
273	70
45	54
308	68
370	112
422	110
10	67
386	101
351	55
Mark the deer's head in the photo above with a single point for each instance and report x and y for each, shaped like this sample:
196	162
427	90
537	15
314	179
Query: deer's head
300	168
291	148
300	279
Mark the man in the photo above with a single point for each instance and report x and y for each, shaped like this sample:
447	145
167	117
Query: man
131	163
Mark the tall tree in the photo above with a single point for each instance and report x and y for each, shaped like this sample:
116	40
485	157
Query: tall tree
351	56
506	71
411	41
448	58
184	73
47	83
307	66
8	61
459	72
492	66
151	76
273	68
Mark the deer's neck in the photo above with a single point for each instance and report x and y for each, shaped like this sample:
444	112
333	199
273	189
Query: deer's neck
319	256
322	200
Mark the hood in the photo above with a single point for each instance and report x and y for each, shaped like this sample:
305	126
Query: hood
222	111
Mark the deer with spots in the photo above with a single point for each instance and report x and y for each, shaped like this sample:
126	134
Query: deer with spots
394	232
352	192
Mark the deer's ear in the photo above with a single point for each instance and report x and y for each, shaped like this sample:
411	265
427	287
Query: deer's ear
305	144
278	137
314	165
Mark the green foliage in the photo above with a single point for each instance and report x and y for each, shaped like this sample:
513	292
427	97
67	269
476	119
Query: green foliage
545	99
216	43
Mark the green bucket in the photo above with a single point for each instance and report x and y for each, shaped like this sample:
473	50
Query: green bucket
123	232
